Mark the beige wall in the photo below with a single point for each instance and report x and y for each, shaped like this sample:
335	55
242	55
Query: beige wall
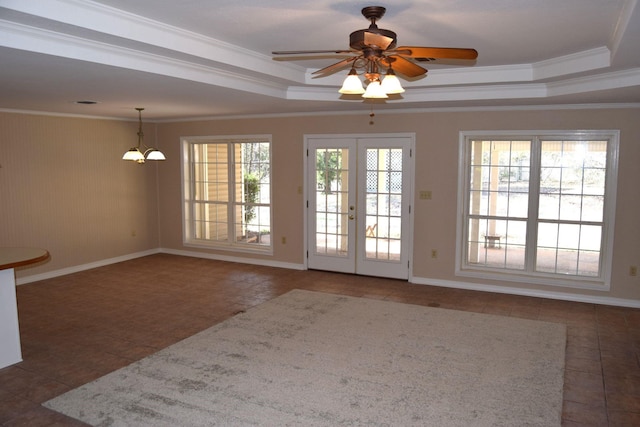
436	170
64	187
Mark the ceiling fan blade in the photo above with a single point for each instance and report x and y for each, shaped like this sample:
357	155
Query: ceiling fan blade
336	66
373	39
404	66
436	52
302	52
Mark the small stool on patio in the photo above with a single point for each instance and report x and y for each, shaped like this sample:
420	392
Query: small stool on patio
492	241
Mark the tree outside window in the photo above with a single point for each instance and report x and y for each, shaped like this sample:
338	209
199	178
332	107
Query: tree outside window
228	192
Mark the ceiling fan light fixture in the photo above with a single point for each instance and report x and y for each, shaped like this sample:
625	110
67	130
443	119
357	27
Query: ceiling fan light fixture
391	84
375	48
352	84
375	91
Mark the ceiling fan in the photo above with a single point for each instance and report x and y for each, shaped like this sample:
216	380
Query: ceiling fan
374	49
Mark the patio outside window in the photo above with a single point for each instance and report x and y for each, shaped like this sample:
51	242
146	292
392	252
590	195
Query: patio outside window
227	192
538	205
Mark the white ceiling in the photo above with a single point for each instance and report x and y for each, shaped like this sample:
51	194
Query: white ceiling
202	58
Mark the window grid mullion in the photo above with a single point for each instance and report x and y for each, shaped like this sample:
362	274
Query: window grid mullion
531	240
231	206
191	207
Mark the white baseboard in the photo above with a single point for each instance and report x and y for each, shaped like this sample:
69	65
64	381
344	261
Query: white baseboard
620	302
217	257
102	263
83	267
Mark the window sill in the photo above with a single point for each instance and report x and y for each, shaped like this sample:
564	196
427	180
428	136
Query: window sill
574	282
238	248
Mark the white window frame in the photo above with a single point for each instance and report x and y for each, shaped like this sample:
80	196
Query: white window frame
188	216
602	282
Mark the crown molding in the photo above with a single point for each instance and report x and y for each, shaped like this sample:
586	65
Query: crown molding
605	81
88	31
176	44
113	26
69	46
628	9
362	110
441	82
579	62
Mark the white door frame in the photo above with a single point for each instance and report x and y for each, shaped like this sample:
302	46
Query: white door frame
410	192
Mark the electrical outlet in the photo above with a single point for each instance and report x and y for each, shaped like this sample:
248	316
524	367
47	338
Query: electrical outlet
133	233
633	270
434	253
284	240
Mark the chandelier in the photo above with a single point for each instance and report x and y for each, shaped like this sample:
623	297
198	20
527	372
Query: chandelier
142	152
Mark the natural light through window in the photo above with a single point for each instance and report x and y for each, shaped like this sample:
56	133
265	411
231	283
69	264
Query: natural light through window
227	192
538	205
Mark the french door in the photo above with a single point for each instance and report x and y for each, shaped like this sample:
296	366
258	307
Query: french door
358	217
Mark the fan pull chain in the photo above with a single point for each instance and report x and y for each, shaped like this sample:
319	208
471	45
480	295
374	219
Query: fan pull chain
372	115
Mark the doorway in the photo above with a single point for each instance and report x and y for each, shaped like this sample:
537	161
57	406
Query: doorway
359	203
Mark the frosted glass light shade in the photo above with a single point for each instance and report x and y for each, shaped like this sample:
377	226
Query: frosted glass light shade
374	90
155	155
133	154
391	84
352	85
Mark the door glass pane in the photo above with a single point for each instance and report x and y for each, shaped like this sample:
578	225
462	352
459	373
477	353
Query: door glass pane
384	204
332	203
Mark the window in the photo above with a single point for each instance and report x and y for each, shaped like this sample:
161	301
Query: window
227	192
538	205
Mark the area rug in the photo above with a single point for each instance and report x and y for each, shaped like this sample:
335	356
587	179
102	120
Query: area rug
316	359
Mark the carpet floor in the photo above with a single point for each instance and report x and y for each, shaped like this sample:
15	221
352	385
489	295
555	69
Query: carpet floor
310	358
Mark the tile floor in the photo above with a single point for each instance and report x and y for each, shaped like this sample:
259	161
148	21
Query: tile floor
79	327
